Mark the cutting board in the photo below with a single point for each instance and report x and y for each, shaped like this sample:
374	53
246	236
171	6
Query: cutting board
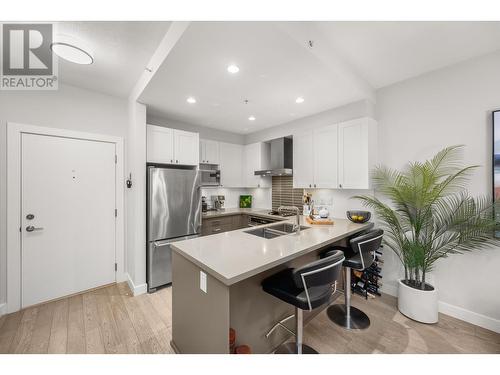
319	221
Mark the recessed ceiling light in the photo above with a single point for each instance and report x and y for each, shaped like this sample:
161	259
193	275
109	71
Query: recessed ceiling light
233	69
72	50
252	118
191	100
299	100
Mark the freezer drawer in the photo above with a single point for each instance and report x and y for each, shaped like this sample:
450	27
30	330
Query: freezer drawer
159	262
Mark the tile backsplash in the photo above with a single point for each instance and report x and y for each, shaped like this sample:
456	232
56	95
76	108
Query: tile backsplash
283	193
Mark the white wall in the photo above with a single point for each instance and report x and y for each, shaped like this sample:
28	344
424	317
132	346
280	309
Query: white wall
416	119
261	197
337	201
67	108
136	198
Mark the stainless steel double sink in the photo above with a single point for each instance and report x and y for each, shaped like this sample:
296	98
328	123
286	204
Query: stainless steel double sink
274	231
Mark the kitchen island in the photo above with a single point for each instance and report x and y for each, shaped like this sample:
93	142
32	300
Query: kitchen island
217	284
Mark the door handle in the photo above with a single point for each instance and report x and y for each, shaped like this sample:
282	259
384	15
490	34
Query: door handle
31	228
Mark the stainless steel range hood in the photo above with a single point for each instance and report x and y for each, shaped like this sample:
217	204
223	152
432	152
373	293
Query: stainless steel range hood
281	158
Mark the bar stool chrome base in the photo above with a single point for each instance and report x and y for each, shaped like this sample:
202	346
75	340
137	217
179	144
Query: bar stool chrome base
291	348
345	315
357	319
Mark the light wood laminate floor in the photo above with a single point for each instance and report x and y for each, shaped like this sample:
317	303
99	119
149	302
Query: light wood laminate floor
110	320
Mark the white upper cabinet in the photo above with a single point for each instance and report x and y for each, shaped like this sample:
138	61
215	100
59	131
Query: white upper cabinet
357	153
325	157
172	146
186	147
160	145
231	164
303	160
338	156
255	158
209	151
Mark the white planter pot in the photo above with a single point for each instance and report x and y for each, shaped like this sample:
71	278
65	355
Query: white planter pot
416	304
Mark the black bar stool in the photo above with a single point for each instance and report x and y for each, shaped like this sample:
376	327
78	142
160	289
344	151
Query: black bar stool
359	257
306	288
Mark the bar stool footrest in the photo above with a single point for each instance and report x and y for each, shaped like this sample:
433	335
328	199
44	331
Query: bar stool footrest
357	319
291	348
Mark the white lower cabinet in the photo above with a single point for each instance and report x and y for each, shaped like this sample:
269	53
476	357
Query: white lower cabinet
231	164
171	146
338	156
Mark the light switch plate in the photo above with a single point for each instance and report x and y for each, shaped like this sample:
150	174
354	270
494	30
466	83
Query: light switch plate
203	281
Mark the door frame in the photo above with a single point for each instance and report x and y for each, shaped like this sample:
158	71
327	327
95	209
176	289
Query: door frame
14	257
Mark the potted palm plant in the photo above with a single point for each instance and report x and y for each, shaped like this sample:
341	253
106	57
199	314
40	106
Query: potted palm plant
429	215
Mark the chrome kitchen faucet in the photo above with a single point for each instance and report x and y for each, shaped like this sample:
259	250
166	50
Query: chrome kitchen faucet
296	227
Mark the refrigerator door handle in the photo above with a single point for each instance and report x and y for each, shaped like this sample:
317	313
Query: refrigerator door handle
170	240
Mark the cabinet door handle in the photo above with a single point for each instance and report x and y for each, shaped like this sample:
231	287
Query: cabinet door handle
171	161
314	185
340	185
309	185
177	161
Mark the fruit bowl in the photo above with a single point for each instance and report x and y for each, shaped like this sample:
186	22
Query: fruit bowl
359	216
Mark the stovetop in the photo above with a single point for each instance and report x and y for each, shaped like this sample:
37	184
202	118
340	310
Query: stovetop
282	213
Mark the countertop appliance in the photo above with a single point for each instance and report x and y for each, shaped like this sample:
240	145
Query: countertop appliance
218	202
281	158
173	214
210	174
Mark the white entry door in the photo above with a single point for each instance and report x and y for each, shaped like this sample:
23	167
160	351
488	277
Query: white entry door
68	216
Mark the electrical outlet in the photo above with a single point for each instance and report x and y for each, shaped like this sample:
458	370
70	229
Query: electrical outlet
203	281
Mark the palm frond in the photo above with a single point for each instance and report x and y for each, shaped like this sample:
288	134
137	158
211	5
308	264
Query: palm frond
431	215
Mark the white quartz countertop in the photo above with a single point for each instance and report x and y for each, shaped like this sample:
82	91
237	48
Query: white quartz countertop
235	255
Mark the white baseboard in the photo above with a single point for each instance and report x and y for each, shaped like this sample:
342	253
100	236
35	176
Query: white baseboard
470	316
136	289
3	309
455	311
390	289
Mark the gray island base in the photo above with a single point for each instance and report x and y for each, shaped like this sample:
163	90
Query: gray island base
216	285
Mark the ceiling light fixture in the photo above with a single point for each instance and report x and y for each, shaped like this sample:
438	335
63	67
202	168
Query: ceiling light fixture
233	69
252	118
191	100
72	49
299	100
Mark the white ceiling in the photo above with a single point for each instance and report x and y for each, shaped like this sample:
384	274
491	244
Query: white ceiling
121	51
348	61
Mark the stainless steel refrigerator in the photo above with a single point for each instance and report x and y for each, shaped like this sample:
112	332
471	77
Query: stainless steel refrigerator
173	214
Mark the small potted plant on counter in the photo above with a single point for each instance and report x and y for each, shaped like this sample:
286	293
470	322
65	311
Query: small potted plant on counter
429	216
